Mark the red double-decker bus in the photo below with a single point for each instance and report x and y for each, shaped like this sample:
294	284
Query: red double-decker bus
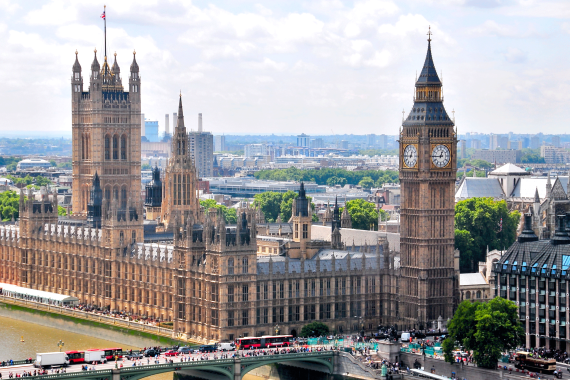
265	341
76	356
110	352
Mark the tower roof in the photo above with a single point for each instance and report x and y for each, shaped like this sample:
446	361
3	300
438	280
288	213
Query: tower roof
116	69
428	74
76	65
95	65
180	123
134	65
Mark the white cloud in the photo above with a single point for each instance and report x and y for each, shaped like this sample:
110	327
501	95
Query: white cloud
514	55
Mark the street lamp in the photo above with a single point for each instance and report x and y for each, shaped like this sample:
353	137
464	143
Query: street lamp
276	329
60	344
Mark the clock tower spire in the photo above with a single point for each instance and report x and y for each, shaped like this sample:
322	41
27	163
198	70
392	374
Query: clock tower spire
428	166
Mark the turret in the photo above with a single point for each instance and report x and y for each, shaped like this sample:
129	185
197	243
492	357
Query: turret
76	78
94	207
134	79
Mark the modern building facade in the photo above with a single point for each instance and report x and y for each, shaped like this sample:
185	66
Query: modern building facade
219	143
151	130
428	166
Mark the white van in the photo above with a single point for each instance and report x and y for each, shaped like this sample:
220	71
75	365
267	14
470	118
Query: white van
405	337
226	347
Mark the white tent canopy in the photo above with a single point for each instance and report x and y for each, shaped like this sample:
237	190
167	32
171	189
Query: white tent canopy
37	295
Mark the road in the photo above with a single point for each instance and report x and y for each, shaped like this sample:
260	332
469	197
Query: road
124	362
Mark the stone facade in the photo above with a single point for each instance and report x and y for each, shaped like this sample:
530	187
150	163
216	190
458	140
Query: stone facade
428	150
218	281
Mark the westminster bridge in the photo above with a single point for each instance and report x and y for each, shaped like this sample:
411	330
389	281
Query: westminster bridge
328	362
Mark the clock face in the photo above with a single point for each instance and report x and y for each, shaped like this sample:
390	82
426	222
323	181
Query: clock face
410	156
440	156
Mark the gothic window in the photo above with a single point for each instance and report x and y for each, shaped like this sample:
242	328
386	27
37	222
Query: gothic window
116	193
123	197
77	76
108	193
230	266
115	147
123	147
107	147
244	265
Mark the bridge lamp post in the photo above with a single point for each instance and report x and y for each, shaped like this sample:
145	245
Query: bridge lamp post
60	344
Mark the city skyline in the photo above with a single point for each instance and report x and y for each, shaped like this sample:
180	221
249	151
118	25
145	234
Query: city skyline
296	67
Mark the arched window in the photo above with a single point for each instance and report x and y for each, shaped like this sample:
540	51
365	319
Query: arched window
124	197
244	265
107	147
116	193
108	193
123	147
230	266
468	295
115	147
478	294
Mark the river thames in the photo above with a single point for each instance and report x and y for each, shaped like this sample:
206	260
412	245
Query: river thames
38	338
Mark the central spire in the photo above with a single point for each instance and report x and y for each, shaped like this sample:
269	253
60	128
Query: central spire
429	73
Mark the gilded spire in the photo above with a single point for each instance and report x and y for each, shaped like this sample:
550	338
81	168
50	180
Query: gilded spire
134	65
95	65
76	65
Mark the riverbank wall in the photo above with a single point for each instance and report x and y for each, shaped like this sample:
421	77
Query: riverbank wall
94	325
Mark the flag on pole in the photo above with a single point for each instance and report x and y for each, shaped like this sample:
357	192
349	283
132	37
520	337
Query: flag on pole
103	14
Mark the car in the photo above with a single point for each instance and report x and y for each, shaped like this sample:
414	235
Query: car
134	356
185	350
207	348
151	352
330	337
171	353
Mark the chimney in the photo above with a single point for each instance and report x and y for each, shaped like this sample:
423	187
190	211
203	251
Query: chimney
142	125
199	123
166	125
174	120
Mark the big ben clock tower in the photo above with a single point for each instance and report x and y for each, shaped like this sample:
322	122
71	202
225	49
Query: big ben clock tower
428	166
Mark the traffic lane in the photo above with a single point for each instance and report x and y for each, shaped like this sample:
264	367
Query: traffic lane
162	359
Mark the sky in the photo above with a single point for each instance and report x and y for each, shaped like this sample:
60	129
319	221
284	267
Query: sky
289	67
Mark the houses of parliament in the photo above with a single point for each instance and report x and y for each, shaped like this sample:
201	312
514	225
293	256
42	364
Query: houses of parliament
216	281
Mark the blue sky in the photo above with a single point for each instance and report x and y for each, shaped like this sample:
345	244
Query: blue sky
318	67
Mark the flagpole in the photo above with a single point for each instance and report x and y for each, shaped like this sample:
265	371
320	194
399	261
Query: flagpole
105	21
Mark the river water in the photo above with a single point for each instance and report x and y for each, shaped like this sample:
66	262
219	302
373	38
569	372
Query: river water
38	338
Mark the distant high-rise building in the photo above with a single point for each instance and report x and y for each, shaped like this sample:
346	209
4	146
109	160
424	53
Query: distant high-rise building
525	142
151	130
535	142
514	145
252	150
343	144
382	141
174	121
202	150
463	149
166	125
503	142
556	141
371	138
476	144
493	141
219	143
142	125
303	140
317	143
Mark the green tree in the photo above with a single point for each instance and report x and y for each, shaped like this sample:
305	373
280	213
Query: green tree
531	156
43	181
52	162
286	206
334	180
363	214
315	329
270	204
9	205
230	214
61	211
488	329
489	222
464	243
366	183
384	216
145	167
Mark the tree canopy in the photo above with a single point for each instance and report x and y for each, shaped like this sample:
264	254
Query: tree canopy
274	204
321	176
315	328
230	214
487	329
482	223
9	205
363	214
531	156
